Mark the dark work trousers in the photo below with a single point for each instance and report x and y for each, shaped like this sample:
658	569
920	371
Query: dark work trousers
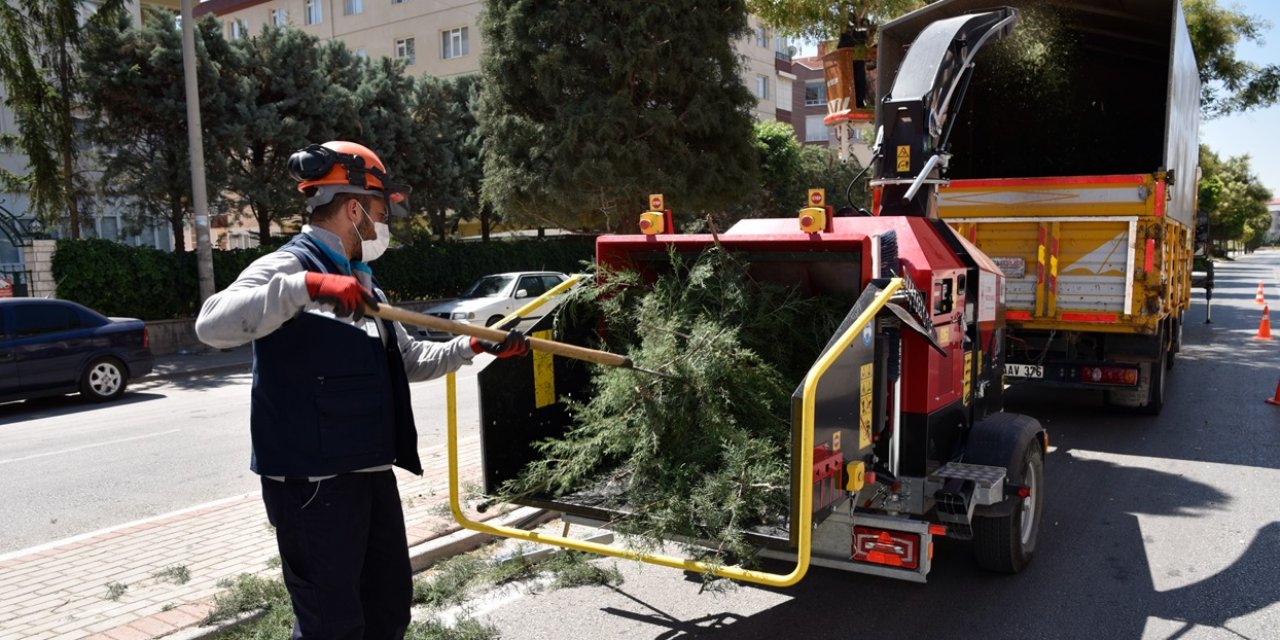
344	555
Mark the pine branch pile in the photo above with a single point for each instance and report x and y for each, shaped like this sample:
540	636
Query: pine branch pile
703	455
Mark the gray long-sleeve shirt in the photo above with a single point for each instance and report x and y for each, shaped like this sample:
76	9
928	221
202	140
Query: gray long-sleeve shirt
273	289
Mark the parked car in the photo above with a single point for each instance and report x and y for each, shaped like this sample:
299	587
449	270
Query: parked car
493	297
55	347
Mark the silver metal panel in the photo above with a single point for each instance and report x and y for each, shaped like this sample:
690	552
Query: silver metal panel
988	481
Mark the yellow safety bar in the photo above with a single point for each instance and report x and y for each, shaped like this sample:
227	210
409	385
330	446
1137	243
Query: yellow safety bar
805	525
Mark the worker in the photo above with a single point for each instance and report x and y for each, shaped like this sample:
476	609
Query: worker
330	412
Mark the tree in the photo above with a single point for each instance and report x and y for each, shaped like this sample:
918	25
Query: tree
133	83
39	43
588	107
435	115
289	92
824	19
469	152
1234	198
1228	84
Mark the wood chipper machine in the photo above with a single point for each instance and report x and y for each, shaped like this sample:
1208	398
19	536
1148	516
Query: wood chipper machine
898	433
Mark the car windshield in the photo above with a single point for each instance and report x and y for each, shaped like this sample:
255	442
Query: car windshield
488	287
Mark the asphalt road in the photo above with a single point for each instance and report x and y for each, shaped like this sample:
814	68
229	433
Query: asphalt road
1162	527
68	467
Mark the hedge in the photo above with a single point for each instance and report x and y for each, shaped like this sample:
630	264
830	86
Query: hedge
141	282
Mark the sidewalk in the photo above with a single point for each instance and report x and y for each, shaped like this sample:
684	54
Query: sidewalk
62	589
201	361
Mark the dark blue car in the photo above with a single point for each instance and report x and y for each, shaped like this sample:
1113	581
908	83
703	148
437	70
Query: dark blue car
55	347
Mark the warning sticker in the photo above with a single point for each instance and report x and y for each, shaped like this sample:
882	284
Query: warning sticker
904	158
544	375
968	374
864	406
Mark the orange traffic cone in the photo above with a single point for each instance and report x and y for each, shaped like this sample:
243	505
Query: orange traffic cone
1275	400
1258	298
1264	327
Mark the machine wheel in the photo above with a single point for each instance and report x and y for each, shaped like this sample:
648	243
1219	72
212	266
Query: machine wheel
1006	543
492	321
1176	345
104	379
1155	390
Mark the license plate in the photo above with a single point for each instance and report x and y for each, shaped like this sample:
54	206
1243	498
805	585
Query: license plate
1023	370
1012	267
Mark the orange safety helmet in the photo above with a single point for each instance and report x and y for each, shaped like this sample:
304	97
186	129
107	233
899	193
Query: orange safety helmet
338	166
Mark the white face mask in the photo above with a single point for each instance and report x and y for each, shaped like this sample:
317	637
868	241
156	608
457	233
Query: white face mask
371	250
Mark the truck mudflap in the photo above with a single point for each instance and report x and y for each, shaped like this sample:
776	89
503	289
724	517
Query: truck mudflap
1085	375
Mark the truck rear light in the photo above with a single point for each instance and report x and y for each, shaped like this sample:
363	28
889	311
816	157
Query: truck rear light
1148	260
887	547
1125	376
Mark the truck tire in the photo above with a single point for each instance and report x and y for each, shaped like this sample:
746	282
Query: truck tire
1176	345
1007	543
1155	390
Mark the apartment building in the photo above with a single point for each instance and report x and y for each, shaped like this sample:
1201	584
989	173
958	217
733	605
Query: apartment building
101	219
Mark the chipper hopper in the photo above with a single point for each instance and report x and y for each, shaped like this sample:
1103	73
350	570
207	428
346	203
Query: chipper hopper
897	434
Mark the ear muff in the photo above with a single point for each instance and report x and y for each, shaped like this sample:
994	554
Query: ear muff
312	162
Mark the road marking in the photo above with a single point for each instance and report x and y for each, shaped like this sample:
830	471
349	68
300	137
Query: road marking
88	446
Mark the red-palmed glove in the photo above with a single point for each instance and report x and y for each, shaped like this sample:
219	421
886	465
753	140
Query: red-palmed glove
345	293
515	344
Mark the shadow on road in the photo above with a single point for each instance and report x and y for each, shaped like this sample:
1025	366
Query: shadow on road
14	412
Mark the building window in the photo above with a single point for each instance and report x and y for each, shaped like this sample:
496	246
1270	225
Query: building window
352	7
453	43
762	37
279	18
398	1
362	54
815	93
404	50
314	15
814	129
762	87
239	28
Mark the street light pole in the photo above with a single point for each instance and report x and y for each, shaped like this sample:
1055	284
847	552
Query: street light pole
199	198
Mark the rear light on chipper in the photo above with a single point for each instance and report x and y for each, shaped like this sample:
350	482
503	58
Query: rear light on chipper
886	547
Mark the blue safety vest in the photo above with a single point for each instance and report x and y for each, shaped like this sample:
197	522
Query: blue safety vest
327	397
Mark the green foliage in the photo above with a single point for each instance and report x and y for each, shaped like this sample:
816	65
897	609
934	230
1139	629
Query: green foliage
1235	199
280	105
177	574
115	590
587	107
702	455
39	53
1229	84
789	169
141	282
465	629
824	19
134	88
444	269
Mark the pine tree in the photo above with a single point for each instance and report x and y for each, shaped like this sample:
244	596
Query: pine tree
589	106
290	92
133	82
39	44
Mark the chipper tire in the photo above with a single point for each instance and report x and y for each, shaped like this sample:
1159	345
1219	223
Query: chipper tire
1006	544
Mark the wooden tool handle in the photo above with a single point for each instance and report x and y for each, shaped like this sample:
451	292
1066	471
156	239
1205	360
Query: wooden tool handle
497	335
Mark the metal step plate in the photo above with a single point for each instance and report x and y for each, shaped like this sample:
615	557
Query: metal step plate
988	482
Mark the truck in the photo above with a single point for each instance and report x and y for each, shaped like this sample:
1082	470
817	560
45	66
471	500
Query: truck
1074	166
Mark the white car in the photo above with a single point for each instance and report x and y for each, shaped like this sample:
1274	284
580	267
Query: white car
493	297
